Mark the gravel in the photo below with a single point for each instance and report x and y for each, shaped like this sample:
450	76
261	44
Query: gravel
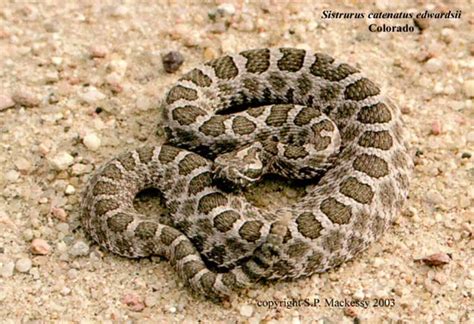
82	82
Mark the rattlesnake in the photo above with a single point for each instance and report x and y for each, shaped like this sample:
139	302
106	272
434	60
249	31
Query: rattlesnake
302	115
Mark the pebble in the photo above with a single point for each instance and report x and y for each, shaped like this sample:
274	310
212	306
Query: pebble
59	213
118	66
22	164
56	60
28	234
51	77
70	190
358	294
40	247
98	51
91	95
226	9
468	88
79	168
436	127
6	102
62	160
91	141
65	291
119	11
246	310
436	259
23	265
433	65
7	269
151	300
133	302
63	228
26	98
433	196
80	248
12	176
172	61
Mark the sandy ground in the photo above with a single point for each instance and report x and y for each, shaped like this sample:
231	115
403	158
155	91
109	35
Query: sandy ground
81	82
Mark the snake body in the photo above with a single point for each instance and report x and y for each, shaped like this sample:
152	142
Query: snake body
228	122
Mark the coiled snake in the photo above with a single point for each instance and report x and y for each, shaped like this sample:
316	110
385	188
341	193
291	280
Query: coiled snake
228	122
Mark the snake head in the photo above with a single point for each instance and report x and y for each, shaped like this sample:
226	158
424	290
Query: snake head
239	169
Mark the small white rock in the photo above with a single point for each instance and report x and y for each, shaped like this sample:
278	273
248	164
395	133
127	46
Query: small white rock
359	294
56	60
119	11
6	102
62	160
91	141
79	248
118	66
7	269
246	310
70	190
79	168
12	176
51	77
468	88
433	65
65	291
23	265
91	95
226	9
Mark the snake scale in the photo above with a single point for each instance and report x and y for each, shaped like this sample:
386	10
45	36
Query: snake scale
229	122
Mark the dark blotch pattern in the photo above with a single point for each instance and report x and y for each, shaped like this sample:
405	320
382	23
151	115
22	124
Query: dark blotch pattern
378	113
308	225
295	152
250	231
306	115
224	67
278	115
105	188
225	220
277	81
187	115
190	162
180	92
145	154
258	61
197	77
292	59
168	235
337	212
146	230
104	205
371	165
361	89
242	125
380	140
360	192
214	126
168	154
199	182
211	201
119	222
